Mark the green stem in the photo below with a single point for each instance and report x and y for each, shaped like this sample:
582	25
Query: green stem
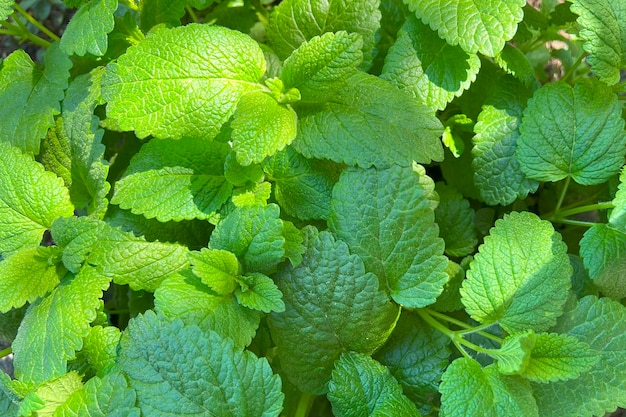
425	315
559	203
34	21
573	68
584	209
5	352
192	14
304	405
130	4
574	222
468	327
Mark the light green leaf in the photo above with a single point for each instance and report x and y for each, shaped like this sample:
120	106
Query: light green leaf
254	234
55	153
178	368
89	169
370	122
108	396
429	68
261	127
216	268
6	8
319	67
385	217
183	296
34	94
258	292
54	327
302	186
467	390
617	217
47	397
589	148
252	195
601	324
514	62
520	277
293	22
603	28
87	30
293	243
30	200
327	298
361	387
603	250
497	173
416	355
175	180
28	274
482	26
455	219
514	354
100	348
195	75
154	12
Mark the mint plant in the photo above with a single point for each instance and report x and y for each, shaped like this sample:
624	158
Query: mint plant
300	208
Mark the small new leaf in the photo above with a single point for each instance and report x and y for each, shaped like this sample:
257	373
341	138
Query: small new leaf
216	268
603	250
258	292
87	30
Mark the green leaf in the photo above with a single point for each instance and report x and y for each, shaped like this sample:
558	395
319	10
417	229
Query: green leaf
195	75
100	348
497	174
327	299
175	180
183	296
251	195
87	30
154	12
293	243
429	68
6	8
482	26
54	327
319	67
89	169
603	250
178	368
108	396
360	387
28	274
617	217
520	277
218	269
514	62
122	256
30	200
34	93
589	147
603	28
261	127
254	234
514	354
47	397
416	355
601	324
455	219
293	22
385	217
302	186
55	153
450	298
370	122
467	390
258	292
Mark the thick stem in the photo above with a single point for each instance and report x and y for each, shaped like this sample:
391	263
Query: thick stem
36	23
304	405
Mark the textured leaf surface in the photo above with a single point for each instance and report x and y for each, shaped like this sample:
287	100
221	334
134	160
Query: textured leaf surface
175	180
261	127
455	219
27	274
617	217
296	21
34	94
360	387
184	81
30	200
6	8
218	269
183	296
416	355
497	173
302	187
254	234
603	24
108	396
385	217
425	65
258	292
54	326
516	284
471	391
87	30
327	299
47	397
600	323
481	26
589	148
168	12
178	369
100	348
603	250
368	123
